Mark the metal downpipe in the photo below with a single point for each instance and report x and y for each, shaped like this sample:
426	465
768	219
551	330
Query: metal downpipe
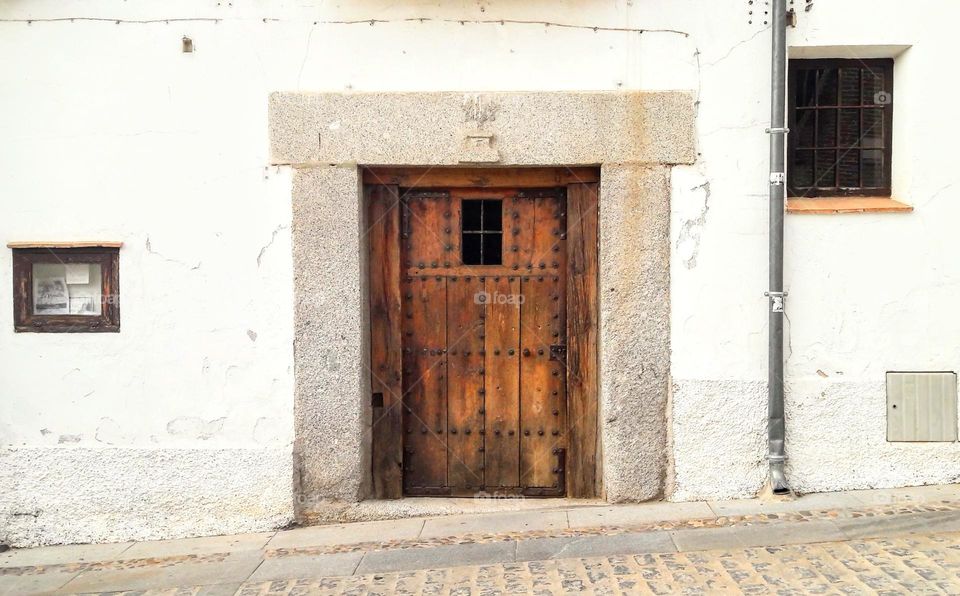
778	132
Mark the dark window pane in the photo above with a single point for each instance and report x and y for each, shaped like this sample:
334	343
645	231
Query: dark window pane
872	168
872	86
827	87
838	146
492	216
826	171
806	88
872	128
826	128
471	249
472	215
801	174
850	86
849	168
805	128
492	249
849	128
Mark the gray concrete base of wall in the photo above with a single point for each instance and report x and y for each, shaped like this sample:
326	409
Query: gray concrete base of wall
635	137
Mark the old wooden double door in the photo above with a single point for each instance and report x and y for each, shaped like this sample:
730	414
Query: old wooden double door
480	337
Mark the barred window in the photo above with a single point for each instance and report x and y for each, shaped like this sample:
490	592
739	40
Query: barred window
840	118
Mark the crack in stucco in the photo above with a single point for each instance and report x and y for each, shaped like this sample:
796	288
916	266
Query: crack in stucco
273	236
150	250
692	229
735	46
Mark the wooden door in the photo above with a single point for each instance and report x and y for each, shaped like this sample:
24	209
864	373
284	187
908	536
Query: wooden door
469	348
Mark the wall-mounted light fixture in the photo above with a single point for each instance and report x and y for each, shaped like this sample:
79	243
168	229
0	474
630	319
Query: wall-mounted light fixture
187	45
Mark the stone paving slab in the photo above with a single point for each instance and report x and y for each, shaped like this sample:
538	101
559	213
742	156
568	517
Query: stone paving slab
785	505
897	524
307	566
437	558
230	568
908	495
753	536
398	529
39	583
512	522
641	513
55	555
840	500
594	546
198	546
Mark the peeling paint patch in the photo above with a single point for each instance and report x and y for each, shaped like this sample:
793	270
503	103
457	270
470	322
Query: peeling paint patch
190	427
109	432
267	430
252	335
68	439
688	241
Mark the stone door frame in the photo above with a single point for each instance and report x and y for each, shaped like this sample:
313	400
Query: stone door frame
634	137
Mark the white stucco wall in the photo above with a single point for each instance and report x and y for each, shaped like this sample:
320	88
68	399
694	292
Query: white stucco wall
867	293
111	132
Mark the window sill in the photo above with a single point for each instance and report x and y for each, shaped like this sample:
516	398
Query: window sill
827	206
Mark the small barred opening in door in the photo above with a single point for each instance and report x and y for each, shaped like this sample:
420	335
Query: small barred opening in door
469	324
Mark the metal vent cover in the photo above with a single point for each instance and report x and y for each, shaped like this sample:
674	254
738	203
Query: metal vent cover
921	406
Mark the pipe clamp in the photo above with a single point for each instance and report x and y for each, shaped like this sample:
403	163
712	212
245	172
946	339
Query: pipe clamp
776	300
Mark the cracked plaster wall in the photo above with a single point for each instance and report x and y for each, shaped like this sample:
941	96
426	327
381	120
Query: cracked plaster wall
207	307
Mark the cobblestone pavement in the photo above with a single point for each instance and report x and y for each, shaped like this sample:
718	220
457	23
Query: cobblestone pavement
916	564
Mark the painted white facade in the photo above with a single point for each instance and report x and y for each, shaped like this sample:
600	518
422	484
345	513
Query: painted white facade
182	423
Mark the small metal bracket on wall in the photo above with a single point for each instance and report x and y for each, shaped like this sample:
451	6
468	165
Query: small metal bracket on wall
776	300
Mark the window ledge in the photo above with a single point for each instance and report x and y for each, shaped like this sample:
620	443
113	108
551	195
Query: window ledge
847	205
80	244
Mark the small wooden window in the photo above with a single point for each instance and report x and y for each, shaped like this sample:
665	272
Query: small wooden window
841	116
482	232
66	290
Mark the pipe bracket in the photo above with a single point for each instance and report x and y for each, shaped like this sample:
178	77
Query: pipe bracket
776	300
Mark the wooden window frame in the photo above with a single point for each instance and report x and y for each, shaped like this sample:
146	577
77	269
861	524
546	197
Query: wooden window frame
25	321
880	64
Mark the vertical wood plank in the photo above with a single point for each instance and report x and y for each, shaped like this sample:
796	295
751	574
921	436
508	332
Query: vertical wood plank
542	379
424	303
582	329
383	234
502	366
465	390
424	385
